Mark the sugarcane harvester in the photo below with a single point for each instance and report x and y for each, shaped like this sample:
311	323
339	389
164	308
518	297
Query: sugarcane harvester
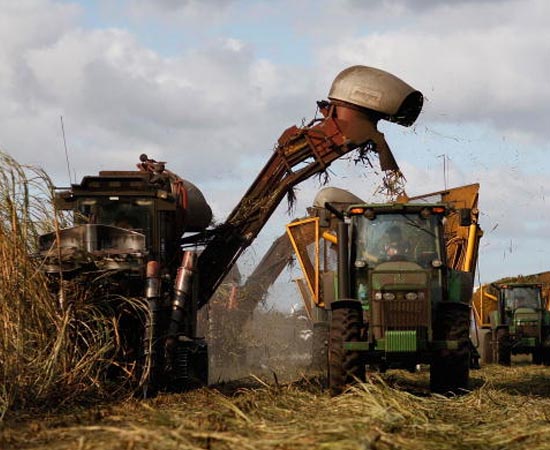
172	355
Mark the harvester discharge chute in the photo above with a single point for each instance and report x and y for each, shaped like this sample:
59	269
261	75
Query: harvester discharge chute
360	96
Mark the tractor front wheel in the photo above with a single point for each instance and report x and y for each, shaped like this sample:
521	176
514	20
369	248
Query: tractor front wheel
345	366
450	366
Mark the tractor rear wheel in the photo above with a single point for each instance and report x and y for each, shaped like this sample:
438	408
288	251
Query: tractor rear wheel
450	367
345	366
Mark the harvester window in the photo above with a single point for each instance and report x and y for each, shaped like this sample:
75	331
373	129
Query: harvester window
125	214
130	214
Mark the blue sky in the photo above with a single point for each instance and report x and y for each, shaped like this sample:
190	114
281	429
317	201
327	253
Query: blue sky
210	85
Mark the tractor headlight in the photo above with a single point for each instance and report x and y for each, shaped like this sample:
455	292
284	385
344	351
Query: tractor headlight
378	295
388	296
411	296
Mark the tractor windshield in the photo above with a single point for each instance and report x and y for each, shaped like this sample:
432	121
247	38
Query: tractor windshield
522	297
397	237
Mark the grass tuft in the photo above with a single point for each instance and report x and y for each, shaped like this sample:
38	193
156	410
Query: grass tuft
49	356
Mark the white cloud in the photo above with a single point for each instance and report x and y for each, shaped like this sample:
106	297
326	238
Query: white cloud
207	110
214	108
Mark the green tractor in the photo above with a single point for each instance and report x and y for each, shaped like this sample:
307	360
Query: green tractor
520	324
400	300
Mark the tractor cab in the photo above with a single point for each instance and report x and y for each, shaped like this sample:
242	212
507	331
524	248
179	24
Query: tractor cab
521	308
382	234
397	256
520	296
520	324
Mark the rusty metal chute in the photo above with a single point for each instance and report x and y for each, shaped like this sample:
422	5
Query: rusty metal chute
311	150
301	153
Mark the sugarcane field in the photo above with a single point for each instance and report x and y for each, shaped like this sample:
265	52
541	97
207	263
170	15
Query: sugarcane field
239	224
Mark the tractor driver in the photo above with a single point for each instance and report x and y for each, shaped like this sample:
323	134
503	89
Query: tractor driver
394	243
390	244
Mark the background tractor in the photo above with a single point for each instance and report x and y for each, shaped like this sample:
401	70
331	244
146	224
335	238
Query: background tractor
516	322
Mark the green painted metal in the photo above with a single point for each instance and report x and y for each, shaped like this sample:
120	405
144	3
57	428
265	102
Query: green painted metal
528	342
401	341
381	345
460	285
356	346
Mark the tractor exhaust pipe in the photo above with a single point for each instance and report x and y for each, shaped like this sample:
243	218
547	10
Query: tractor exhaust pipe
152	340
343	258
183	293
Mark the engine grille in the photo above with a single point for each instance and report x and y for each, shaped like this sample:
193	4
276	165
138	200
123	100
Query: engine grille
400	314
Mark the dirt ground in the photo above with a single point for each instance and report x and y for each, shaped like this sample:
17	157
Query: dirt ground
506	408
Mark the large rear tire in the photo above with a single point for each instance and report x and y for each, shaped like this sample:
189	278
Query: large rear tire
189	365
345	366
450	367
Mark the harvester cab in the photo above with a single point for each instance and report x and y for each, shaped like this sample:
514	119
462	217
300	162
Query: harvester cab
121	214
